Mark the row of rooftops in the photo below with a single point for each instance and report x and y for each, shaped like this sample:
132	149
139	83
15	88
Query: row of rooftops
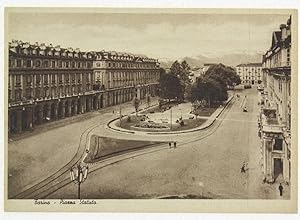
250	65
25	48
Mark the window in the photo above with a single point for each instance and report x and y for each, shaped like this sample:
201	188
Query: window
37	63
60	64
73	64
73	77
18	80
67	77
79	64
60	78
53	78
19	63
45	63
45	79
288	56
18	94
38	79
67	64
53	64
28	63
278	144
28	80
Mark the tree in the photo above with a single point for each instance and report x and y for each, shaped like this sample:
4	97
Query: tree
208	89
170	87
182	72
223	74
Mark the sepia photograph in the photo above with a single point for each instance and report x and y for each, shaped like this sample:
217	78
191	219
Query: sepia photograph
150	105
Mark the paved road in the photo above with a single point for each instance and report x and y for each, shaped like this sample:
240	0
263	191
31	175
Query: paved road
209	167
35	156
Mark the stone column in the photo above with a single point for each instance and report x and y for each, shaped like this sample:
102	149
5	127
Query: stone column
69	108
92	103
55	115
48	111
269	160
286	163
88	106
75	107
40	114
29	116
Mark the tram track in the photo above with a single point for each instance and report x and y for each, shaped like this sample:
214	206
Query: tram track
60	178
75	159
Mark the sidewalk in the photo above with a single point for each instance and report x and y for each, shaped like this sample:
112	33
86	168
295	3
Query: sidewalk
73	119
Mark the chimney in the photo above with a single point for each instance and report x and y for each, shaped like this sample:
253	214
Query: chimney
283	32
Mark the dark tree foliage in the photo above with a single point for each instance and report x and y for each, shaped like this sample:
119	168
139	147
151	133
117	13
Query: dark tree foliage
182	70
170	87
223	74
212	86
208	89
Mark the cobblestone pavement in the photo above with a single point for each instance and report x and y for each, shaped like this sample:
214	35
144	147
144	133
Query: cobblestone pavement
207	167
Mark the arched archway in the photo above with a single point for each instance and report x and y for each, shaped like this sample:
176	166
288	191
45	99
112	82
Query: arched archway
45	113
87	104
74	107
52	110
61	109
95	103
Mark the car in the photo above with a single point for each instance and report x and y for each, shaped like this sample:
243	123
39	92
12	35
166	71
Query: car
245	109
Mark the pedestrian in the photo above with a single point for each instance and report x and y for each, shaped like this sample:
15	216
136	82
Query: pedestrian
170	145
243	170
174	145
280	189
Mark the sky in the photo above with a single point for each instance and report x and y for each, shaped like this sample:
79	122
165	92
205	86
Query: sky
162	36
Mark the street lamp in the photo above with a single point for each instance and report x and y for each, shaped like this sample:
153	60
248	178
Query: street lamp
79	174
171	117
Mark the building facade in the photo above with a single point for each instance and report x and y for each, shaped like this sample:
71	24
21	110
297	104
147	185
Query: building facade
275	117
47	83
250	73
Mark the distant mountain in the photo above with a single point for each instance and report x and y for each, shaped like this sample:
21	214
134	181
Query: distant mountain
229	59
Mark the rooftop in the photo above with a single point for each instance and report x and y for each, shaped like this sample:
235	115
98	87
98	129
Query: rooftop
50	50
250	65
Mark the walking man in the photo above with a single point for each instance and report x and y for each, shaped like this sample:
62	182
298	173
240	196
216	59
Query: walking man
243	168
174	145
170	145
280	189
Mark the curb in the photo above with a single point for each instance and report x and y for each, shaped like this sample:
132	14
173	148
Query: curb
174	132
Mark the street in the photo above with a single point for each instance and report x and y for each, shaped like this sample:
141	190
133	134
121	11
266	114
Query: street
207	167
38	155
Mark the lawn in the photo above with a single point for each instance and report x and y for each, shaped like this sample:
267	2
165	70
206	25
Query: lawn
203	111
189	124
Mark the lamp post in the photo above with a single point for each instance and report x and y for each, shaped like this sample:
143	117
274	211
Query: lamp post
79	174
171	117
120	115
